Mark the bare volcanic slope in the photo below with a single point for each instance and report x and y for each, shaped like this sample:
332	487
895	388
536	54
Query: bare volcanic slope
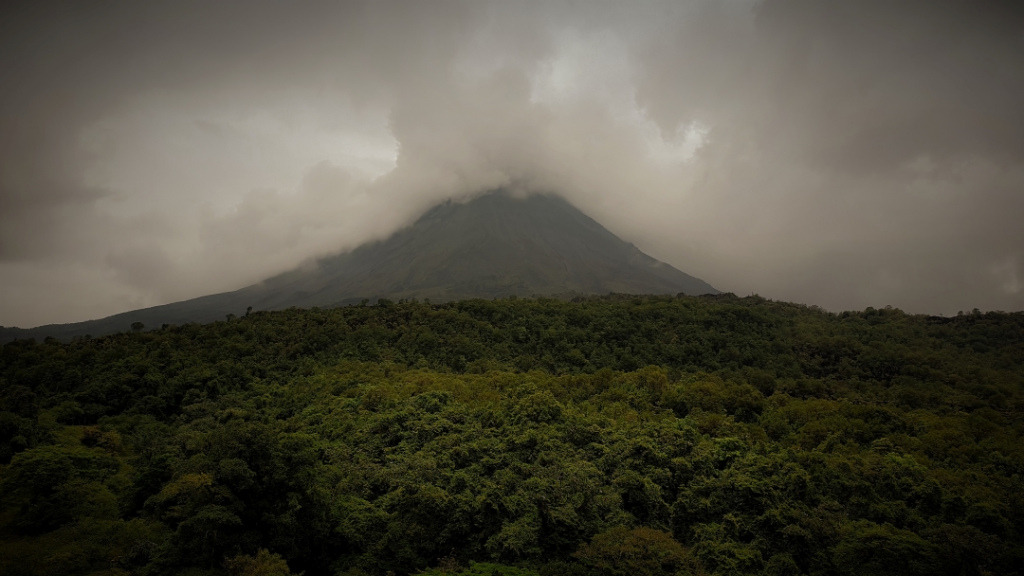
495	245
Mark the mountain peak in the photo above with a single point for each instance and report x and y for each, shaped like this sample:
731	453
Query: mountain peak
494	245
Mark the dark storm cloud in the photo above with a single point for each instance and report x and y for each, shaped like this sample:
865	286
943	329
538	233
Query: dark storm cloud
846	154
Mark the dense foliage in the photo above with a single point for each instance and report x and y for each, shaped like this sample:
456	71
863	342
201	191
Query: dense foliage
609	436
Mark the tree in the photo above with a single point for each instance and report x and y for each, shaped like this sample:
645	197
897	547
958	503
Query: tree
869	548
264	563
642	551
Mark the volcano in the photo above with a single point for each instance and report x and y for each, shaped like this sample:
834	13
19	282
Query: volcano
496	245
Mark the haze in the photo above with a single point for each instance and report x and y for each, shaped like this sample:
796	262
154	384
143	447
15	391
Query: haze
840	154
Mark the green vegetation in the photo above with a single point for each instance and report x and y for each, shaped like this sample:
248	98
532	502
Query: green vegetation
606	436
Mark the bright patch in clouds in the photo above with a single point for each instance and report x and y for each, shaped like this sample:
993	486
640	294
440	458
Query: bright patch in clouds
159	154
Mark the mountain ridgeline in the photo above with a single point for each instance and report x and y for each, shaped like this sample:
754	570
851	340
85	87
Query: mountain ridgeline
495	245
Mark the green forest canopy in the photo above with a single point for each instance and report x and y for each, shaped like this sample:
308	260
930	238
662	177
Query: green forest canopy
616	435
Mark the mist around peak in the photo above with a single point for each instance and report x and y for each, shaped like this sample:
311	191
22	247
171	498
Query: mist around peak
844	154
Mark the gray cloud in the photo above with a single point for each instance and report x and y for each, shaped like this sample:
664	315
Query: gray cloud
845	154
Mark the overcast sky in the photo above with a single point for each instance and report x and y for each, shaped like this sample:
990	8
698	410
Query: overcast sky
841	154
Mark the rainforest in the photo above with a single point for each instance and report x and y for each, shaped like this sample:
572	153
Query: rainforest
609	436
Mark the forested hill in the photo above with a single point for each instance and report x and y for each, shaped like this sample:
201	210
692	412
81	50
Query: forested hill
607	436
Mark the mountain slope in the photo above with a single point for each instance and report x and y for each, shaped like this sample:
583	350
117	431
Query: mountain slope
495	245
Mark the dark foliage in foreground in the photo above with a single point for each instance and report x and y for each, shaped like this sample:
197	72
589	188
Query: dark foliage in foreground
610	436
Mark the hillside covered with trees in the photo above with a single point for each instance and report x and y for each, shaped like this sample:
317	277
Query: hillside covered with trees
609	436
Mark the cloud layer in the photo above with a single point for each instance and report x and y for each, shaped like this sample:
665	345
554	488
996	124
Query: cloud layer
843	154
